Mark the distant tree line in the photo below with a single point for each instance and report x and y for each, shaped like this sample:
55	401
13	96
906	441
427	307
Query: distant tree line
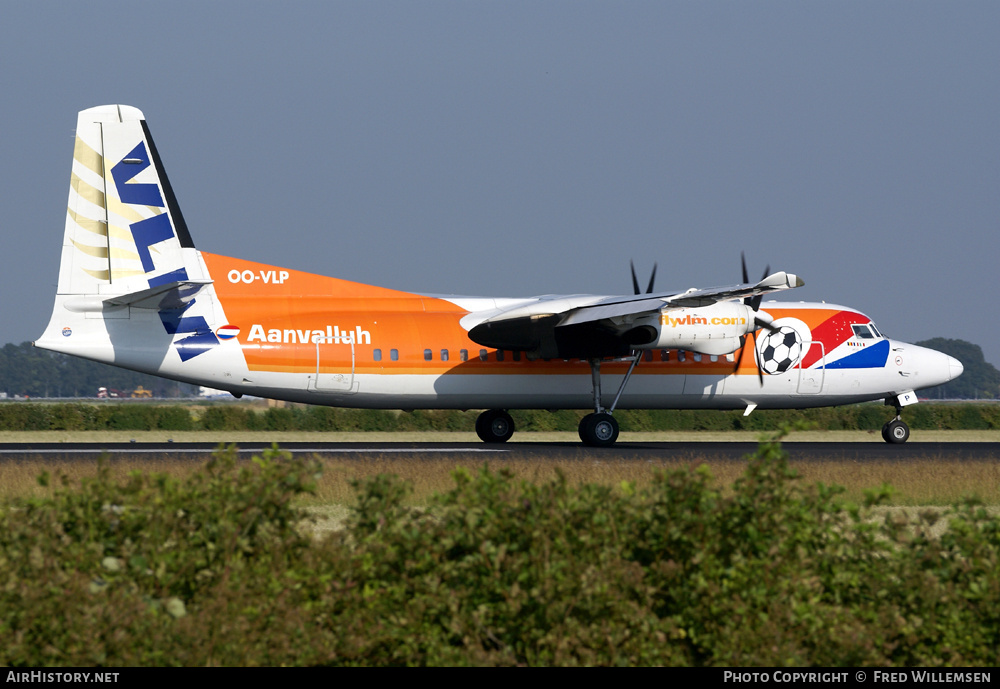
27	371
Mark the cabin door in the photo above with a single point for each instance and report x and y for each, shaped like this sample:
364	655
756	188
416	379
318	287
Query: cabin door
334	366
811	379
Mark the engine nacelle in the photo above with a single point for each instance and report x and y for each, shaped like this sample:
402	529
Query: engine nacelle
714	329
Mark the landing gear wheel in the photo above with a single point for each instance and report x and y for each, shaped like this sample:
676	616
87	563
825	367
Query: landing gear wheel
598	430
494	426
895	432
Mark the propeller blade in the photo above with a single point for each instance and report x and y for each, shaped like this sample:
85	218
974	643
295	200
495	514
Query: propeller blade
739	360
763	319
635	280
752	302
755	301
756	357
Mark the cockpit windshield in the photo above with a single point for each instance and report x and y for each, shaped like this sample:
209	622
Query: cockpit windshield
862	331
866	331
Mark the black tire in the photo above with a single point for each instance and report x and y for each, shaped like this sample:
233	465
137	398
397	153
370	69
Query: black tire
599	430
494	426
583	427
896	432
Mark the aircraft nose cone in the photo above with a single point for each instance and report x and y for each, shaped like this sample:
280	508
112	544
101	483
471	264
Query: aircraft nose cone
955	368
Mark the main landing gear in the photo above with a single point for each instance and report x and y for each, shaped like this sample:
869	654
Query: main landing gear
600	429
896	431
494	426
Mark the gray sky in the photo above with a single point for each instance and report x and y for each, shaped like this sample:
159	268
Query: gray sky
519	148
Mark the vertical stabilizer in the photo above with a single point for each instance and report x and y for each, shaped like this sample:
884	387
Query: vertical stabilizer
124	231
132	289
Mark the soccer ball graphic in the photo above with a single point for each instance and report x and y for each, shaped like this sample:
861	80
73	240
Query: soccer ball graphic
779	350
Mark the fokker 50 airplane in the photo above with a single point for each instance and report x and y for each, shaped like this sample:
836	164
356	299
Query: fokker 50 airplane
134	292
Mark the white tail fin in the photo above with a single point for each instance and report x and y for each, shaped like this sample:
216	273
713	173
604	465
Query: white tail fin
129	272
124	230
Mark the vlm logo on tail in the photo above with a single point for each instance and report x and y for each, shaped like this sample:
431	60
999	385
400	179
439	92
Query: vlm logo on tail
126	245
141	186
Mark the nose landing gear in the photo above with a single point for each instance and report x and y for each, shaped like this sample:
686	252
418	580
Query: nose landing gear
895	431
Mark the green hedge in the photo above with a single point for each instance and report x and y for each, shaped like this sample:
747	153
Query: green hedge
216	569
27	416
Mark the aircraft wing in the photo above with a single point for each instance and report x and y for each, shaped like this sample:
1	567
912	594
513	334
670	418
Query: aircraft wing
643	303
580	326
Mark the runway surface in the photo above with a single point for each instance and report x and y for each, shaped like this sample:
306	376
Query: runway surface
565	451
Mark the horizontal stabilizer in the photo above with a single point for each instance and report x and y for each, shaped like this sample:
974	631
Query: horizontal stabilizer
166	297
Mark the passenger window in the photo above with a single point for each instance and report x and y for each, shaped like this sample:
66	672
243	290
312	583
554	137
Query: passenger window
444	355
499	355
377	354
394	354
463	354
482	355
647	355
428	355
664	355
517	356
